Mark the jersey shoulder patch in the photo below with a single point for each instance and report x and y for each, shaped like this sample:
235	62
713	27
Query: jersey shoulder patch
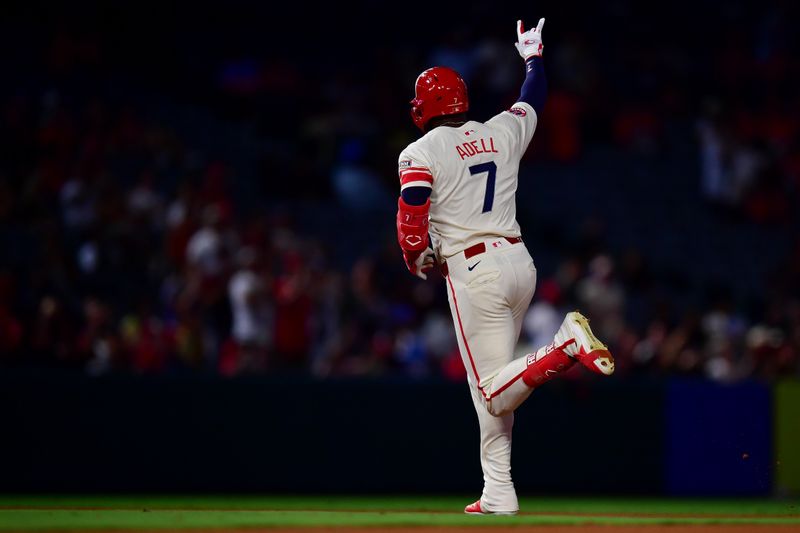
414	156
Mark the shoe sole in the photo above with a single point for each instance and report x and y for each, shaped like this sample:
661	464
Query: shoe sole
598	359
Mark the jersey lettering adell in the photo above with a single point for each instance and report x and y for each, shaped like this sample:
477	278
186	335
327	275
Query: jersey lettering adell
472	171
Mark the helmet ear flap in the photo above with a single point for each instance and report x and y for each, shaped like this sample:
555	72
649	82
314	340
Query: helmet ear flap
417	114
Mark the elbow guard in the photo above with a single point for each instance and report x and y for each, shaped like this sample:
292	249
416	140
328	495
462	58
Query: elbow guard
412	225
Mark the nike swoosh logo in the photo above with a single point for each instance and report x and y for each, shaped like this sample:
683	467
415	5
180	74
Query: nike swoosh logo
473	266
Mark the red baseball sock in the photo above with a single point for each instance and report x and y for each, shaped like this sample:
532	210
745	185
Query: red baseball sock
546	364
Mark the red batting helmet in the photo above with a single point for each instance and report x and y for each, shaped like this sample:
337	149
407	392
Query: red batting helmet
439	91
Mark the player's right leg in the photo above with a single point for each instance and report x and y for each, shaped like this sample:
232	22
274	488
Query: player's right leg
574	342
512	383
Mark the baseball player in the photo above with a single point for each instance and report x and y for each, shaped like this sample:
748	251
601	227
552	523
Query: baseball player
457	209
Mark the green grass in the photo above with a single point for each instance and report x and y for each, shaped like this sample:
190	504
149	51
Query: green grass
150	512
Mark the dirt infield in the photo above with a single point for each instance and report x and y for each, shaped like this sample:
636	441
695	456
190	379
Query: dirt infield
498	529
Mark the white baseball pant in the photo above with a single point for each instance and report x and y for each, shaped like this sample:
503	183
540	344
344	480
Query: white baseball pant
489	295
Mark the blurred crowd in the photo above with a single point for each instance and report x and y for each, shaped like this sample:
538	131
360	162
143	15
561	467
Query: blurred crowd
127	247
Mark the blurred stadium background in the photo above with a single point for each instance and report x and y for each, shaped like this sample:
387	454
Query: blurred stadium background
200	286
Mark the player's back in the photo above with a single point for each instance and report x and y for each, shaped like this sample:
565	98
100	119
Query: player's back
474	170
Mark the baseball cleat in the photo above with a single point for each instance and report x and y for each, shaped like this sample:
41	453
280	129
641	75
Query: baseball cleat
475	508
579	342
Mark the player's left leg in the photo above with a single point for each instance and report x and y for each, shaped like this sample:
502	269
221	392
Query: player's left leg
499	495
486	334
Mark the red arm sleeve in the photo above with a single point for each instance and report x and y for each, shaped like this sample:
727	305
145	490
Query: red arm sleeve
412	225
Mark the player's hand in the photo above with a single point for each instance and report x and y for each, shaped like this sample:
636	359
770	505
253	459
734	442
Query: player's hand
420	263
529	43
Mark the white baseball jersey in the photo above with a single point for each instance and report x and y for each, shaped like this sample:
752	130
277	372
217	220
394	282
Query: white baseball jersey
472	170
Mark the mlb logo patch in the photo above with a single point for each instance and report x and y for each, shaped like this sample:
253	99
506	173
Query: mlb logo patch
405	164
517	111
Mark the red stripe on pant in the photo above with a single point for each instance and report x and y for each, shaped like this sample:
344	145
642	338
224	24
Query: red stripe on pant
464	338
507	385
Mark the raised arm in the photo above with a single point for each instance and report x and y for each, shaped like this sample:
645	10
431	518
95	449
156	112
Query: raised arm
530	47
